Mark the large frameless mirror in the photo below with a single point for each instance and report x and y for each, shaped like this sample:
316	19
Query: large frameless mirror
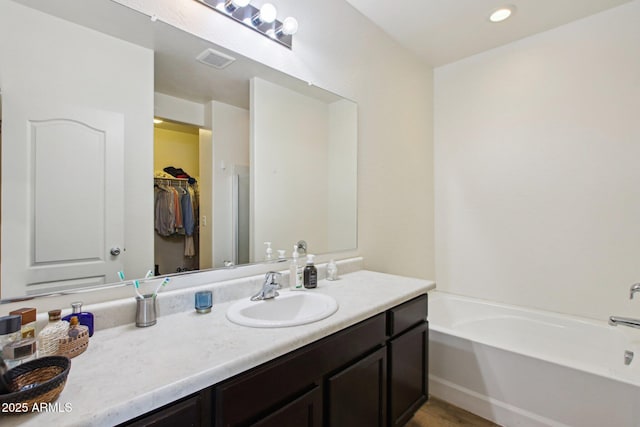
240	156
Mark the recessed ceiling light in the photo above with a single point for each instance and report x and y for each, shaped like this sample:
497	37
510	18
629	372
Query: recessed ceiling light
501	14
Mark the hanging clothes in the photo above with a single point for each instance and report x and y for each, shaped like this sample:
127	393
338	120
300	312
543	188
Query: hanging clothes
164	210
176	212
187	212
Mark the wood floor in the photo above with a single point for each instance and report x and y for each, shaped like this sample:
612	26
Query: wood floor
436	413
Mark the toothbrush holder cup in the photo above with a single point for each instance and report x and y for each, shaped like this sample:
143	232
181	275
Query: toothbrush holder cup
146	310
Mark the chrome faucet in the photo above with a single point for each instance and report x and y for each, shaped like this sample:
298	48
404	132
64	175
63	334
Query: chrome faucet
624	321
269	287
627	321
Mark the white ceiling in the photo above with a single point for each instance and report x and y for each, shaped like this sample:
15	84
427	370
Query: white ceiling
444	31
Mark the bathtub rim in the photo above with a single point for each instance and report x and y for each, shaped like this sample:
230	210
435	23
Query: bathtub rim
593	369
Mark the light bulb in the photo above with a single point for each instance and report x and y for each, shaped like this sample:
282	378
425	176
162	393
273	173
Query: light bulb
501	14
289	26
267	13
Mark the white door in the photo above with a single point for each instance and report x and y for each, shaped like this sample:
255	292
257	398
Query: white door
62	197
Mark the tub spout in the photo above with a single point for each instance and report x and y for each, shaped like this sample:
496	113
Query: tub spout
634	288
624	321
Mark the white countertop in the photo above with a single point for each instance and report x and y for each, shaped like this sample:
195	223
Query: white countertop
128	371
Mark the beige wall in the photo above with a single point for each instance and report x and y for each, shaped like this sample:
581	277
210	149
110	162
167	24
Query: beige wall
394	95
537	177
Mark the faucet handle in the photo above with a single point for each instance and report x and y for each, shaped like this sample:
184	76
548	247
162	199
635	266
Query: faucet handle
634	288
272	277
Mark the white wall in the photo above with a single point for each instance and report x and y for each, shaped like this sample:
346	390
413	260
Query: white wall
289	163
230	133
178	109
537	177
75	58
394	95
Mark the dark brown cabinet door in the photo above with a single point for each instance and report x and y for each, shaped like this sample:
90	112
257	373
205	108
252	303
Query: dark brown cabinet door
407	374
357	394
305	411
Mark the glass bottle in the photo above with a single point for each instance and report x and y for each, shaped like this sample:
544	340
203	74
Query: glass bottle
28	329
332	270
55	330
84	317
74	331
9	330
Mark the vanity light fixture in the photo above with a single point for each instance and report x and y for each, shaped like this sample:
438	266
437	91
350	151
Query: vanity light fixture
502	13
263	19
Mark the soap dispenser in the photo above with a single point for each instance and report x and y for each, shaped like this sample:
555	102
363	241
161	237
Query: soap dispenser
295	271
310	273
268	253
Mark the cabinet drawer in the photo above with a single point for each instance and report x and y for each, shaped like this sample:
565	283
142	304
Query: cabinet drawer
305	411
194	411
406	315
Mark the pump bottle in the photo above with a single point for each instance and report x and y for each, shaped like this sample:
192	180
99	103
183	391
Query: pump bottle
295	271
268	253
310	273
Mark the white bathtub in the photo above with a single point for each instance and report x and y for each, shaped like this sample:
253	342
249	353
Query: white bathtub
522	367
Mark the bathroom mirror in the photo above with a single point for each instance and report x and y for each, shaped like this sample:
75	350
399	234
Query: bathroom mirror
100	72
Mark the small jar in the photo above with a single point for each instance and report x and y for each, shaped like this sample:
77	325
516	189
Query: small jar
48	338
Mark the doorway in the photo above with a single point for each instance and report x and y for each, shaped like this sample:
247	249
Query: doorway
176	196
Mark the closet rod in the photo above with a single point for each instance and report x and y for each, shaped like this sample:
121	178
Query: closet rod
172	181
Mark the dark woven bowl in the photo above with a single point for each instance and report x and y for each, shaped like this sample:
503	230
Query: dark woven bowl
49	374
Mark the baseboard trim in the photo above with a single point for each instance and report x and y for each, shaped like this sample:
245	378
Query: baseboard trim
487	407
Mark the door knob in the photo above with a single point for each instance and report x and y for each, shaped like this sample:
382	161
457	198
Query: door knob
115	251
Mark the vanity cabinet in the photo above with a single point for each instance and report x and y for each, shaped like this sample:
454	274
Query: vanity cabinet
371	374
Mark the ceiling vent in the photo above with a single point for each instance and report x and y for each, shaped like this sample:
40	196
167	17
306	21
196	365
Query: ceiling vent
215	59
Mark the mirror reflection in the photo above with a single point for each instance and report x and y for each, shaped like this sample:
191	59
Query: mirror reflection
247	154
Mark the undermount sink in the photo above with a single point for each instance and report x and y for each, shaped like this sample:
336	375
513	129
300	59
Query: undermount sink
290	308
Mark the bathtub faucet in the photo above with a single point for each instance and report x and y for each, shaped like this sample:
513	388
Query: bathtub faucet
624	321
634	288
